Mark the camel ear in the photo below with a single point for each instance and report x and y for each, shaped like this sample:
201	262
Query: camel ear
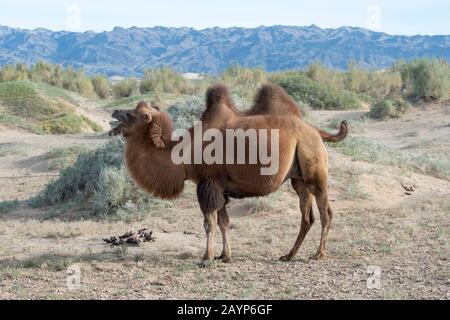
161	130
147	117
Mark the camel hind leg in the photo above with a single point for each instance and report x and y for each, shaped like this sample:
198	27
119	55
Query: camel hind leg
326	215
305	197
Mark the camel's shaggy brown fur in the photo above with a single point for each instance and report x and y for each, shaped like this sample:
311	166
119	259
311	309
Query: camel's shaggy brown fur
272	99
302	159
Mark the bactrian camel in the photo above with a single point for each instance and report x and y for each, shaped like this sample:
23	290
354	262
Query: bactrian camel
303	159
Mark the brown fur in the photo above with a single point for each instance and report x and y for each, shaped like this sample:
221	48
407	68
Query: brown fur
303	159
272	99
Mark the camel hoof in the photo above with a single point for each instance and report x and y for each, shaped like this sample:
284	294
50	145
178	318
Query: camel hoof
286	258
318	256
224	259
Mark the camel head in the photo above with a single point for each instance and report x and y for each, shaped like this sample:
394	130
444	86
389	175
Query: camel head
133	122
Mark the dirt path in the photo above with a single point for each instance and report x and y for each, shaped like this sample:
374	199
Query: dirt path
376	224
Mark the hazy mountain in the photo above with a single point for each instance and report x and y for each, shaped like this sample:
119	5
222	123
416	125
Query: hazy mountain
130	51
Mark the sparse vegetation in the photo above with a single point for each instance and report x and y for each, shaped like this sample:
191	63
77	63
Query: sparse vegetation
362	149
353	190
243	81
98	178
7	206
102	87
41	109
125	88
317	95
60	158
54	75
389	109
167	80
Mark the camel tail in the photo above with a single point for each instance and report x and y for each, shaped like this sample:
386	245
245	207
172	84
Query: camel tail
341	135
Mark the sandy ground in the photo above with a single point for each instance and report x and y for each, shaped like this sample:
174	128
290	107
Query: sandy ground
376	224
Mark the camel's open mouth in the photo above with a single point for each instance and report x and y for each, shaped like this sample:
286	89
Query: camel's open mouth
116	123
115	127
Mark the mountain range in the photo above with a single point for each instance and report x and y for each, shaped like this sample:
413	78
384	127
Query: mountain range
128	52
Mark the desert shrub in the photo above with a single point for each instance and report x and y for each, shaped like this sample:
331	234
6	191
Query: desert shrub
102	87
66	124
318	96
427	79
60	158
85	87
325	76
69	124
356	78
369	85
55	75
6	206
243	81
167	80
389	109
41	72
14	72
98	180
125	88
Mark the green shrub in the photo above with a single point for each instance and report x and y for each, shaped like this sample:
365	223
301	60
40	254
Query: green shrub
7	206
41	108
61	158
389	109
318	96
85	87
14	73
102	87
243	81
427	79
165	80
98	180
66	124
55	75
125	88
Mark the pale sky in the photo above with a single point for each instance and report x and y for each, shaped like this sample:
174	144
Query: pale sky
391	16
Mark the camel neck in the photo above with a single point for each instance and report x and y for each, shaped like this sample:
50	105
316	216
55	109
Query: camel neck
153	169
